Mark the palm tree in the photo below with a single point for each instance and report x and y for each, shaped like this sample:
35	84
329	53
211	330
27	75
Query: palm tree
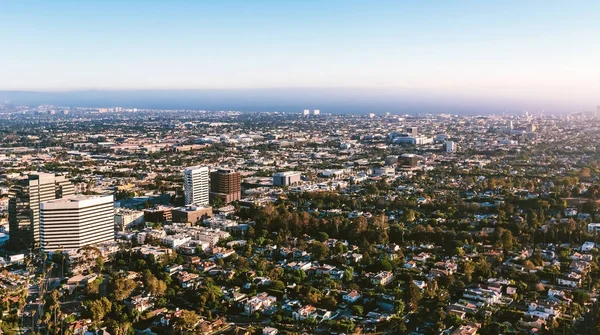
32	319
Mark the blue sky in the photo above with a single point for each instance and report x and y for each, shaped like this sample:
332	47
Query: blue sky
530	51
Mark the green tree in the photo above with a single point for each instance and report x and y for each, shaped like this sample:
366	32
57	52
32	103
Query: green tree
123	287
99	308
187	321
412	295
357	310
93	287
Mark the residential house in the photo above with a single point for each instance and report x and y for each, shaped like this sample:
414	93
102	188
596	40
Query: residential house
186	279
305	312
383	278
351	297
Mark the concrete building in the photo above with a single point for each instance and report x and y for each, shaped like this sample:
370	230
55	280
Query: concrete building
286	178
24	205
196	185
76	221
412	140
128	218
450	146
408	160
392	159
190	213
226	185
384	171
158	214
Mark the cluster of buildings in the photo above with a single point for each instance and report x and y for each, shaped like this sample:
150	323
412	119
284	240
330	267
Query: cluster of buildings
168	192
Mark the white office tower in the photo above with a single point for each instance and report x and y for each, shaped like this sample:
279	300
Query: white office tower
76	221
306	112
371	115
196	185
316	112
451	146
25	198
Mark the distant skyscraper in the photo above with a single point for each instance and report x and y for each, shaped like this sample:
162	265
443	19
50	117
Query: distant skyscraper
226	185
316	112
24	205
412	130
306	112
76	221
196	185
451	146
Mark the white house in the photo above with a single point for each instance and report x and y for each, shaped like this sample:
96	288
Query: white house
587	246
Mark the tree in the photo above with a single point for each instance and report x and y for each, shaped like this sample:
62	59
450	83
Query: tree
357	310
409	215
507	240
277	285
157	287
99	263
99	308
386	265
123	288
412	295
322	236
319	251
348	275
93	287
187	321
329	302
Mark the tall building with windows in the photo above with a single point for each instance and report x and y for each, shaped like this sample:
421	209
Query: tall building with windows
225	184
451	146
196	185
24	205
76	221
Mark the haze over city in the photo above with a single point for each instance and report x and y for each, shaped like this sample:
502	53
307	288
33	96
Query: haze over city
466	57
280	167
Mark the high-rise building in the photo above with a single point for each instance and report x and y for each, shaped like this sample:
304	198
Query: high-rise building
225	184
63	186
196	185
76	221
306	112
24	205
316	112
450	146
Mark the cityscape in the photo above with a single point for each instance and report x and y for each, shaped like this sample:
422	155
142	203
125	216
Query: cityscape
257	167
300	222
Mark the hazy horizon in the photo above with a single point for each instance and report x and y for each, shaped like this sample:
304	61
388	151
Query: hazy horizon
468	55
328	100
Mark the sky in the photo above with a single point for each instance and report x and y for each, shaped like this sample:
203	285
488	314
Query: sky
493	54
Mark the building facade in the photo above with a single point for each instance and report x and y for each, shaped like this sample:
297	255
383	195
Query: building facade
226	185
76	221
196	185
286	178
191	214
24	205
